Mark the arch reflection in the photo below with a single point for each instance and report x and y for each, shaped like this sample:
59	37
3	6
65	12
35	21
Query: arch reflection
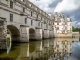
55	49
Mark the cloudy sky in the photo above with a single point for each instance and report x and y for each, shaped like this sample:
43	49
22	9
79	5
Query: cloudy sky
68	7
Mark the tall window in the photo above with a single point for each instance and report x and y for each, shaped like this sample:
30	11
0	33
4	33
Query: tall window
11	17
11	4
37	15
57	28
23	9
41	18
39	24
31	13
57	23
25	20
65	23
53	23
31	22
46	26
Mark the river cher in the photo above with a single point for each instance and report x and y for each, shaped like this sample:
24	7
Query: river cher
49	49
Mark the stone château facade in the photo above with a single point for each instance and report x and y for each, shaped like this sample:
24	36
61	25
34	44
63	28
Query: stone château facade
26	21
62	26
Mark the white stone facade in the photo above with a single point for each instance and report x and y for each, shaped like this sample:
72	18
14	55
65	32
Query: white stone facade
62	25
22	15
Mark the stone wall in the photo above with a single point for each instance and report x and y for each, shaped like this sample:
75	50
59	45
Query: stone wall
75	34
64	35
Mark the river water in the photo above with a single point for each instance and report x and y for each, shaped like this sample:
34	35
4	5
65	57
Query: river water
49	49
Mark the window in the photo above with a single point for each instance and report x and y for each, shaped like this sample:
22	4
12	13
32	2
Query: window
39	24
57	28
37	15
58	23
41	18
31	22
46	26
31	13
11	4
25	20
11	17
31	5
23	9
65	23
53	23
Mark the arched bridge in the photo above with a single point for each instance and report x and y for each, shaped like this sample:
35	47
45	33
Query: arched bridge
24	22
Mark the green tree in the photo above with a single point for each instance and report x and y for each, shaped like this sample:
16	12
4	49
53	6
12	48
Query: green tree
75	29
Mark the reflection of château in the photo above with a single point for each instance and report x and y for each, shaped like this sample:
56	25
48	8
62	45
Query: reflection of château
47	49
63	46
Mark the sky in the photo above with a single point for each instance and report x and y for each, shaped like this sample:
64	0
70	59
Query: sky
68	7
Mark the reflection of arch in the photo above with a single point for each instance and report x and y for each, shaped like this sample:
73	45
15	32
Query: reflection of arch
15	34
13	53
31	33
32	47
42	34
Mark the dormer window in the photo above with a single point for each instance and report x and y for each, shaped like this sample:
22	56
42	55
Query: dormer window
30	5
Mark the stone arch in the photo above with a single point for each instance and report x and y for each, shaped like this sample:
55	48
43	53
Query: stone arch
14	32
31	34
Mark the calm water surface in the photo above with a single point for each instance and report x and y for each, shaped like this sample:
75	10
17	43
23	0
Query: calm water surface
50	49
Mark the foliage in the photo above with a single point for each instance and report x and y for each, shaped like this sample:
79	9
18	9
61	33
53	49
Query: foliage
12	55
8	41
75	29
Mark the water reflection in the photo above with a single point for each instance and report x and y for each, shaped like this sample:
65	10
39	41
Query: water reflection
76	49
62	48
50	49
8	46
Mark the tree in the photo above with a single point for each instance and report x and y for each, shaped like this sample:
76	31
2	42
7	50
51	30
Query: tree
75	29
